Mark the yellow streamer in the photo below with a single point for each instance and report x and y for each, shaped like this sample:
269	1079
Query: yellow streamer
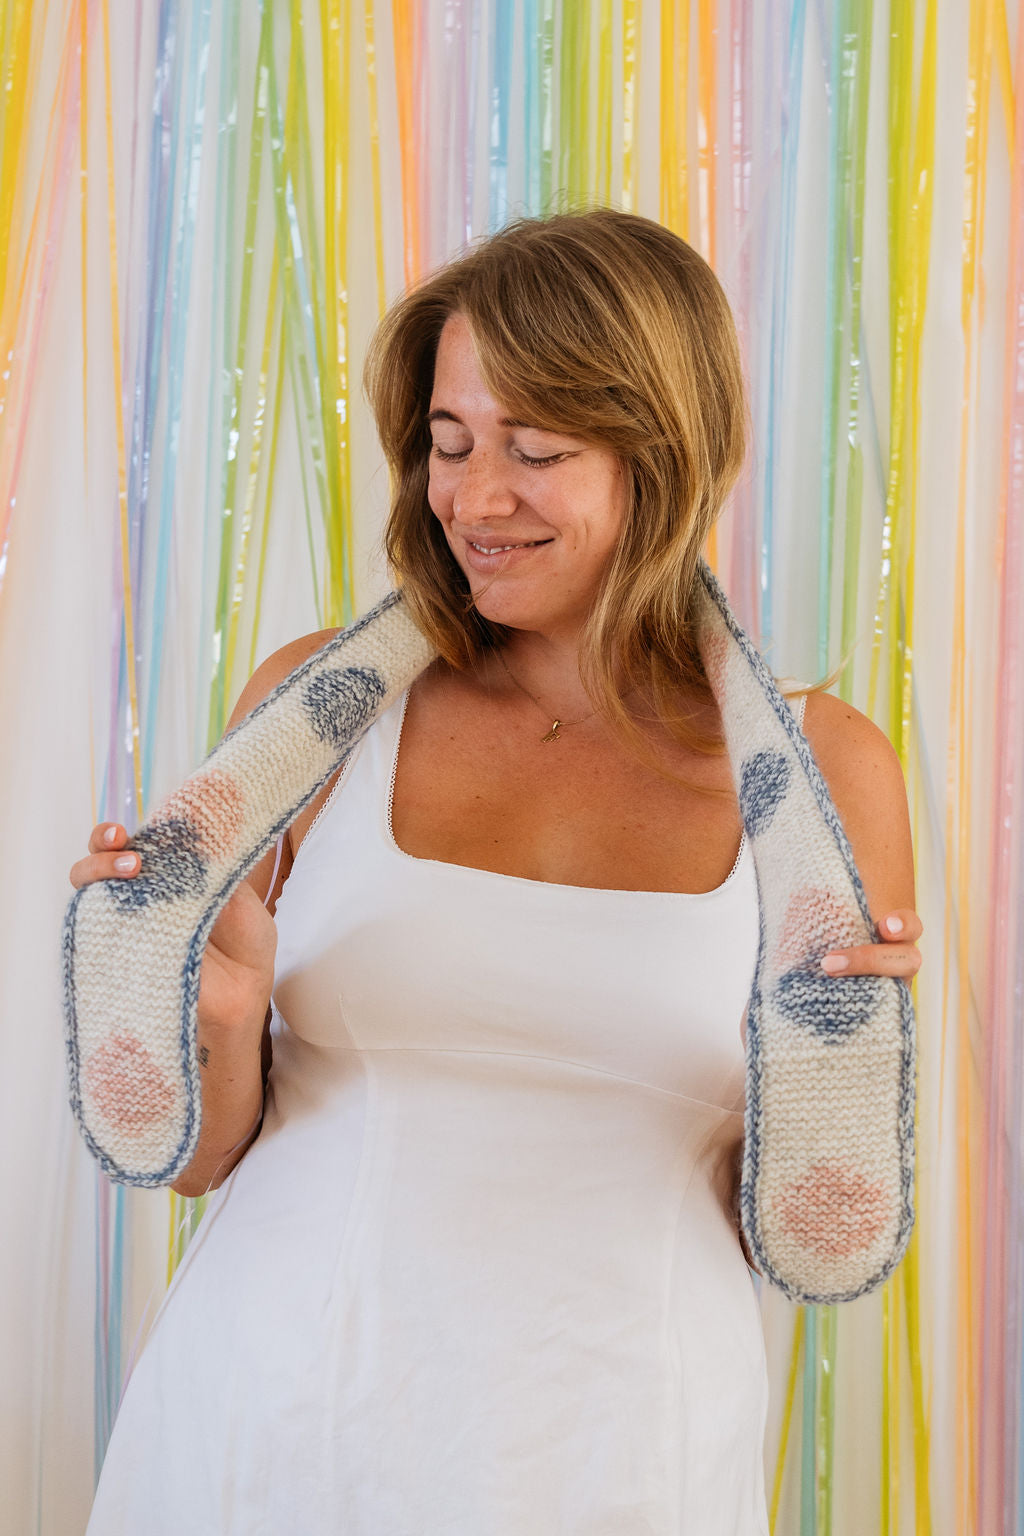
923	178
957	826
13	100
799	1317
20	81
629	36
603	175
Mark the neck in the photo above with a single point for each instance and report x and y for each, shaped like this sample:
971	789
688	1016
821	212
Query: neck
548	666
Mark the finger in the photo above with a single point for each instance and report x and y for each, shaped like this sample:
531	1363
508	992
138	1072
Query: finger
107	835
873	960
901	926
104	866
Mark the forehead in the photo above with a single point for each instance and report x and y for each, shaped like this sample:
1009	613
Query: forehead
456	369
459	390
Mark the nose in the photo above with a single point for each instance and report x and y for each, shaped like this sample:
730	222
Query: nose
483	489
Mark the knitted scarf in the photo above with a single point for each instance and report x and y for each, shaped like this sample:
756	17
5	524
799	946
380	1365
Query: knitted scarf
827	1189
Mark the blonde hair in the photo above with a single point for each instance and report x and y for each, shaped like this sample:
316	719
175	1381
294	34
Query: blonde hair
606	326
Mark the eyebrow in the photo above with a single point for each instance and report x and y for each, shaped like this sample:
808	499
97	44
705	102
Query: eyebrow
506	421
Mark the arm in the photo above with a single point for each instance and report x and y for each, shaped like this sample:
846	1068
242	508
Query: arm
865	780
236	976
233	1035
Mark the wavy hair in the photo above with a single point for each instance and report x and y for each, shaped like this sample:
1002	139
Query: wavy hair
606	326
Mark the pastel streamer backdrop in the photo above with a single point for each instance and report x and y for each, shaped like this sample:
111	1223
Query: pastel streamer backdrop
203	210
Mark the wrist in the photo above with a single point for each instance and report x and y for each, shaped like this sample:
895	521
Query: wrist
236	1031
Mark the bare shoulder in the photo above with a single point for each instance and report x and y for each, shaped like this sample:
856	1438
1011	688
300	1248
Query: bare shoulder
275	669
865	779
263	681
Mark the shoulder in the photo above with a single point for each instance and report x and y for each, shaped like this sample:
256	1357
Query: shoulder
845	742
275	669
865	779
268	876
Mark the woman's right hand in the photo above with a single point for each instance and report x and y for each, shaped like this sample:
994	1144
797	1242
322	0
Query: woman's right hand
238	964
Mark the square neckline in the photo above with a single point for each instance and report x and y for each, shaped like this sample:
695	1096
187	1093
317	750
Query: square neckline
544	885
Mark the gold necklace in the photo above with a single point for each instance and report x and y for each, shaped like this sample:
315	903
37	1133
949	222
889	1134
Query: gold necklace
556	724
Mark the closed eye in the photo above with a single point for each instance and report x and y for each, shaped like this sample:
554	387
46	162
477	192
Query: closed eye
551	458
524	458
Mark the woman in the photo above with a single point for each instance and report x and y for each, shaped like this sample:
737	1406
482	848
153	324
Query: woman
479	1274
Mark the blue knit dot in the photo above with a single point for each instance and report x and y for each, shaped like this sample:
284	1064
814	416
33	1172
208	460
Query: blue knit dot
172	866
341	702
833	1007
764	780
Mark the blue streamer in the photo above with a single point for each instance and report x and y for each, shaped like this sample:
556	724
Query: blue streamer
101	1429
198	60
470	165
531	119
832	216
227	129
149	352
808	1423
501	90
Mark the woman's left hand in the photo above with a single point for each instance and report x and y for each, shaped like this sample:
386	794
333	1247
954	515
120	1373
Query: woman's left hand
897	955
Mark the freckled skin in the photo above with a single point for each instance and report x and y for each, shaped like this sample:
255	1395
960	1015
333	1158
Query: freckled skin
514	484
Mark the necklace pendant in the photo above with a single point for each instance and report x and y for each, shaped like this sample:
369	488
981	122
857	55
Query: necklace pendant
553	735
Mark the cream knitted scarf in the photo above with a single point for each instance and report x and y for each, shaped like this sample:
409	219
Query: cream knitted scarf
827	1190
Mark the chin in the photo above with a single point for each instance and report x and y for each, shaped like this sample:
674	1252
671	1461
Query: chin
520	613
512	615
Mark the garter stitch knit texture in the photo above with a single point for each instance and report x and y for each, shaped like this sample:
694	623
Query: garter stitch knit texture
827	1189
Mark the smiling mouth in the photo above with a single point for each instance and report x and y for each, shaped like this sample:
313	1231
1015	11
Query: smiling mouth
501	549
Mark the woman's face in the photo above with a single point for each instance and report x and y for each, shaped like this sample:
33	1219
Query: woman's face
532	516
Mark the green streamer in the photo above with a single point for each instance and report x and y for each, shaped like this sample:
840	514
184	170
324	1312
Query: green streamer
604	104
227	130
228	593
838	203
332	392
268	489
808	1426
299	334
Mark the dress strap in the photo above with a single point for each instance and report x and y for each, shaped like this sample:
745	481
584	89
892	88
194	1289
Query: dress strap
277	866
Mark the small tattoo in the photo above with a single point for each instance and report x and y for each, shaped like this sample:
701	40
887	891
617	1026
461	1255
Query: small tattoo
204	1056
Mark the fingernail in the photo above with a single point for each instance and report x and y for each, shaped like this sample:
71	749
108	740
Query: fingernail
833	963
125	863
893	925
110	834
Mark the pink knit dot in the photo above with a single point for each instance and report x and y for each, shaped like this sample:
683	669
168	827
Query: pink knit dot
834	1211
126	1085
815	922
214	803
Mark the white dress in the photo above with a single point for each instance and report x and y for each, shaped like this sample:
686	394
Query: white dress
479	1274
